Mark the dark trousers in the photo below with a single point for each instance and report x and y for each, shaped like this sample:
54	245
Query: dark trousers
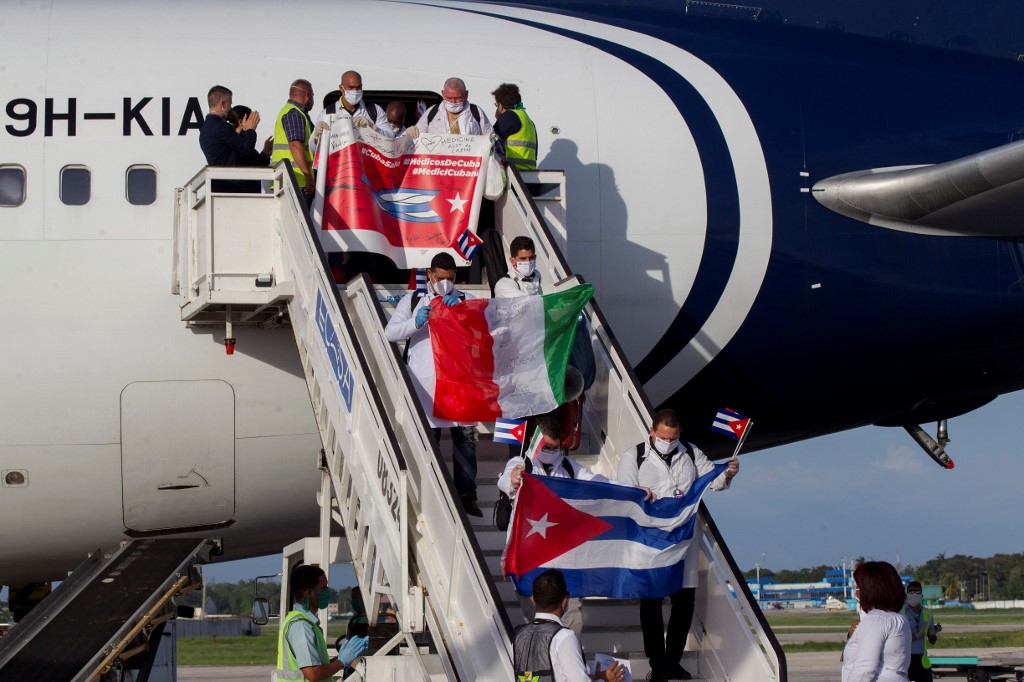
464	454
661	647
917	672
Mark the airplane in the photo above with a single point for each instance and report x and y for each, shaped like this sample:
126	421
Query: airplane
696	150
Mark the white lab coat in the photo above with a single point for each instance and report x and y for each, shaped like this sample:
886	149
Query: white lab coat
664	480
514	285
402	326
467	124
380	122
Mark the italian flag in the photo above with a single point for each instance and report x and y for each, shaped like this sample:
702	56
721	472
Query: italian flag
503	357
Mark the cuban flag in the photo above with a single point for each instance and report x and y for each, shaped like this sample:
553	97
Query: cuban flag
468	244
418	280
604	537
731	423
511	431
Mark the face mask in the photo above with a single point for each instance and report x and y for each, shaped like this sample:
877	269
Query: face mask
325	599
353	97
665	446
548	455
914	599
394	128
525	268
454	107
443	286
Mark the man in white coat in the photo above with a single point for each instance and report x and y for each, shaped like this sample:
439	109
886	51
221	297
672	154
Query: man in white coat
364	114
669	467
455	115
409	321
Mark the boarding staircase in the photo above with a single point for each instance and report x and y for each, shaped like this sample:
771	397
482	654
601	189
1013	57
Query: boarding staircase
105	622
256	260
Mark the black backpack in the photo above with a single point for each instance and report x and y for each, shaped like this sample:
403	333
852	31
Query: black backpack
641	448
432	113
372	109
416	296
503	508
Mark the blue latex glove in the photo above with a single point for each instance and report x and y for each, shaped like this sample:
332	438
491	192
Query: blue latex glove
451	299
353	648
421	316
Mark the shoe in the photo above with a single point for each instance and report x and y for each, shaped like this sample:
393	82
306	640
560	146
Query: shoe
470	505
677	672
657	675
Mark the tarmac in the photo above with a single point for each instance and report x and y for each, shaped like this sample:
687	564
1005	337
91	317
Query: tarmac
810	667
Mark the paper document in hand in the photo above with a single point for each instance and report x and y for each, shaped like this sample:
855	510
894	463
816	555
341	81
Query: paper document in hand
503	357
605	538
606	661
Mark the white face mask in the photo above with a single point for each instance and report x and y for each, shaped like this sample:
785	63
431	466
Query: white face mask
353	97
454	107
525	268
665	446
548	455
914	599
394	128
443	287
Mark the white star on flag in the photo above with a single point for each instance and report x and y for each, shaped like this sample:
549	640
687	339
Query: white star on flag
457	203
540	526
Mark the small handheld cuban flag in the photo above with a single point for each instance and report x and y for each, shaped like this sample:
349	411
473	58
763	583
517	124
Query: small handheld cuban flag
511	431
468	244
731	423
418	280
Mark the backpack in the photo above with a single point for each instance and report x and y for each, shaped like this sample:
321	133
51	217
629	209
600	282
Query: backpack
372	109
641	448
416	296
432	113
503	508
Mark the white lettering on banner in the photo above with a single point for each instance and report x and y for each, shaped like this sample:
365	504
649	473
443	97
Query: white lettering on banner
329	337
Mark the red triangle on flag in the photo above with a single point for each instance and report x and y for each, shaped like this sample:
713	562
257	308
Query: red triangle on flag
519	432
545	527
739	426
472	240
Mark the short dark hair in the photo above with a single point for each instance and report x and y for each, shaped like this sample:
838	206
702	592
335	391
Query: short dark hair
442	261
667	417
216	95
880	586
549	427
549	590
507	95
914	583
237	113
304	577
521	244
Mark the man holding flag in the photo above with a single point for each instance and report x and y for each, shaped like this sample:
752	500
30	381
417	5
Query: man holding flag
669	467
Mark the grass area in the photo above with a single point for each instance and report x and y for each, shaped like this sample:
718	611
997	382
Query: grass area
970	640
260	650
789	620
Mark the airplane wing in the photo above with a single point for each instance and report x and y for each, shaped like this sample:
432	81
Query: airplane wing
977	196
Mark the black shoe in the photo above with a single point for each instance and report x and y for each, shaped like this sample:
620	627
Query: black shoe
470	505
677	672
657	675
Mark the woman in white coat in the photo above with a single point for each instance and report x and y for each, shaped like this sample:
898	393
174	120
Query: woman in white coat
879	647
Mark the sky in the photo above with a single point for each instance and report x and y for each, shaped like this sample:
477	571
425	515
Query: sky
869	492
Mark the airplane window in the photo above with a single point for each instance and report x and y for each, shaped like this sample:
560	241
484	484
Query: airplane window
12	185
75	185
140	185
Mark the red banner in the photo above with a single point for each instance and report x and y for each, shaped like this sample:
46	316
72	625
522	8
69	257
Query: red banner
407	199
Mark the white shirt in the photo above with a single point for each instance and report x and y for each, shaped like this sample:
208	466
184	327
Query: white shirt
380	122
580	472
879	650
665	479
467	124
514	285
566	655
401	326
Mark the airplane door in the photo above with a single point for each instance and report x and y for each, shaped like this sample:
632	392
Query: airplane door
177	454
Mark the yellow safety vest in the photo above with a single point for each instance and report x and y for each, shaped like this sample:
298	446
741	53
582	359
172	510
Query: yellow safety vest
925	616
521	146
282	149
287	666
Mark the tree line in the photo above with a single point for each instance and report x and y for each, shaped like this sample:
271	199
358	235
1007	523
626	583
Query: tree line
963	577
236	598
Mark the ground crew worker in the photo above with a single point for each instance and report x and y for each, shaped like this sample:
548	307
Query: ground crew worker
291	131
515	128
545	650
922	625
669	467
301	647
455	115
409	321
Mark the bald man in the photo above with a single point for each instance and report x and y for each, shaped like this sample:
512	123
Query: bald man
455	115
396	113
364	114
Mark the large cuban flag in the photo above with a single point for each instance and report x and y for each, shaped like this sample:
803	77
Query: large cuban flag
604	537
407	199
